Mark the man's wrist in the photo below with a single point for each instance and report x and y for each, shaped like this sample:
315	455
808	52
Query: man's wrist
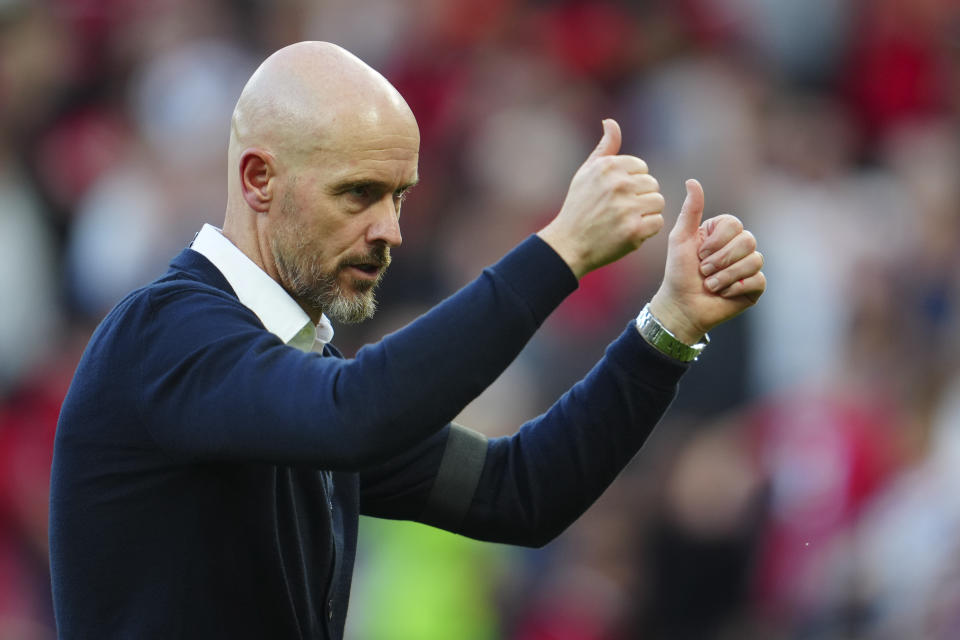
564	249
674	320
655	333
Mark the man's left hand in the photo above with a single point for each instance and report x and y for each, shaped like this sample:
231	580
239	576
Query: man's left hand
713	271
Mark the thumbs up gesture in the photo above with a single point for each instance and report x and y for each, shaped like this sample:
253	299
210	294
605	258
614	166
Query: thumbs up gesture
713	271
612	206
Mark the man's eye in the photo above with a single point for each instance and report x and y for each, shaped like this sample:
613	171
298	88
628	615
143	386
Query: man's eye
361	191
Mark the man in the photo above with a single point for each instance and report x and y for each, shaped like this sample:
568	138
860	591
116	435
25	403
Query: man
214	451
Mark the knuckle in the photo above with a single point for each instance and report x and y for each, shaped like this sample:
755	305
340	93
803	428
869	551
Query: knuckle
623	184
651	225
750	239
658	223
605	164
656	201
731	221
647	183
724	260
646	226
637	165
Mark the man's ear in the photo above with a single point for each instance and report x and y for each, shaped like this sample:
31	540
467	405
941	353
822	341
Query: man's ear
257	178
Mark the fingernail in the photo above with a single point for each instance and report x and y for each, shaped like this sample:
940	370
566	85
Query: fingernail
713	283
703	253
708	269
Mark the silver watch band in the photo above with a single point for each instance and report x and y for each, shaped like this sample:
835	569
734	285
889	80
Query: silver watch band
660	338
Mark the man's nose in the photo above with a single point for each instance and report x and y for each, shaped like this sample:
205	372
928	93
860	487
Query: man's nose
385	226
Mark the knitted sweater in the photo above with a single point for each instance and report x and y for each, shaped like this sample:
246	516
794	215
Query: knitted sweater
207	478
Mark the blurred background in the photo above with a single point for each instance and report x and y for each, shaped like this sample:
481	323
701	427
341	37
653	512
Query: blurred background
803	484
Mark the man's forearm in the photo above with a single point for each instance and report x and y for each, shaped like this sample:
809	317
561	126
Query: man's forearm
538	481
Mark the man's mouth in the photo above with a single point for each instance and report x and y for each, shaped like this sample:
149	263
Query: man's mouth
367	269
370	269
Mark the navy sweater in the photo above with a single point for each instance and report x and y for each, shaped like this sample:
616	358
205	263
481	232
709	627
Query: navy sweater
207	479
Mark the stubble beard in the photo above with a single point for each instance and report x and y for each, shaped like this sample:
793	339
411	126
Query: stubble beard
308	282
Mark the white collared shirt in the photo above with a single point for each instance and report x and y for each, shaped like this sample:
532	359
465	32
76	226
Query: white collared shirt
263	295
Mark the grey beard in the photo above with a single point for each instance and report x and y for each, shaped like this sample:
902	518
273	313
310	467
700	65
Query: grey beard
345	309
321	290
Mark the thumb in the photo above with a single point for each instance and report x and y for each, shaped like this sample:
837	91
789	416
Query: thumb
609	144
688	222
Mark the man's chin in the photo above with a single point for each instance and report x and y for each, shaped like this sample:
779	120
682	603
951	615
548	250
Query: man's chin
352	309
360	288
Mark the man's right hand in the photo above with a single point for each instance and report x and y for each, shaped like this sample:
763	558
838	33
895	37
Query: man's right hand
612	206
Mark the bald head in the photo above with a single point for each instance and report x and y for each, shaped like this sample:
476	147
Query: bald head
322	151
307	93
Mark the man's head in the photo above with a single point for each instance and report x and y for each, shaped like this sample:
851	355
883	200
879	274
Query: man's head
322	151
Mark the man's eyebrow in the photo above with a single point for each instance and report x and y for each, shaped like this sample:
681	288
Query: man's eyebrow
351	183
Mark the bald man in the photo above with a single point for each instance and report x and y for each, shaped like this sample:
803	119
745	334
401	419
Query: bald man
214	451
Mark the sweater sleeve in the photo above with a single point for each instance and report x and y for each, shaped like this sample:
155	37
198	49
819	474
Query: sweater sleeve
538	481
214	384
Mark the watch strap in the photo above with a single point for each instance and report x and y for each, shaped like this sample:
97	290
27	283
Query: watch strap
659	337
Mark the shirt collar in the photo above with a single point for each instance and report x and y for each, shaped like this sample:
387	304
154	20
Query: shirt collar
279	313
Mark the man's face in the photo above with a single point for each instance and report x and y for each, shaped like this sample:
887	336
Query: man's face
338	217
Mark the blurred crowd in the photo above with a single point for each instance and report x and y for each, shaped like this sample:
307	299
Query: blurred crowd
802	483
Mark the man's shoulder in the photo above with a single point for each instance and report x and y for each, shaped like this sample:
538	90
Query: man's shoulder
166	291
190	273
191	285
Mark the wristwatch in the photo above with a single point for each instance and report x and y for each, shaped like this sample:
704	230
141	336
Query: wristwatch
660	338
